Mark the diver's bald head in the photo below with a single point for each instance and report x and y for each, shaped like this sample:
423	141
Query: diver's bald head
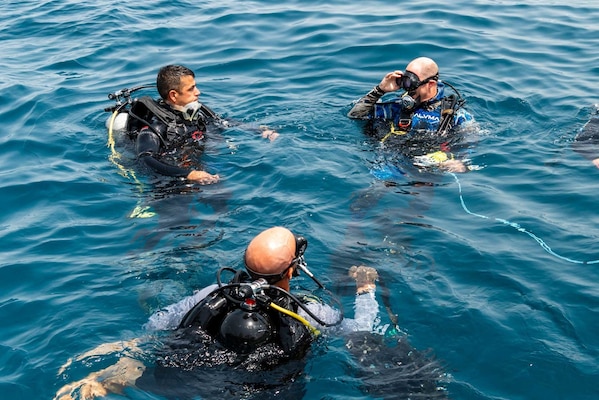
423	67
271	251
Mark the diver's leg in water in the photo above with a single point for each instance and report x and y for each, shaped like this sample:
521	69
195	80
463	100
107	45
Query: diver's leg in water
185	210
209	208
353	249
377	216
112	379
173	213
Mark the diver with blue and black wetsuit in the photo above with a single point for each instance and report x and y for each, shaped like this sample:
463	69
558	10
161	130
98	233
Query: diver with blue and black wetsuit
421	121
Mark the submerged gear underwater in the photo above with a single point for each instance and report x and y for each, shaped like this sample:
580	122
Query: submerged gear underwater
390	368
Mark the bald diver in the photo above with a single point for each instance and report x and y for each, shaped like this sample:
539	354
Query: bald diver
250	337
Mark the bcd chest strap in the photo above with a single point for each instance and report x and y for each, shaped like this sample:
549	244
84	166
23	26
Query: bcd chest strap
146	108
143	110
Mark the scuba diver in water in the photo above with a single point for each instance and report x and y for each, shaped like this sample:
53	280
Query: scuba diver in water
587	141
250	337
253	324
170	133
418	128
169	136
421	122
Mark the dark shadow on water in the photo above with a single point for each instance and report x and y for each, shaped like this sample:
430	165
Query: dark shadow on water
181	209
386	367
390	368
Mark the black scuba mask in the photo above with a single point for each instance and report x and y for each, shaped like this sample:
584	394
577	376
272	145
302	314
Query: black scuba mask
409	81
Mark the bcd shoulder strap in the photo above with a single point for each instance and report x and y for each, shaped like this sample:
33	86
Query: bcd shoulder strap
449	106
146	104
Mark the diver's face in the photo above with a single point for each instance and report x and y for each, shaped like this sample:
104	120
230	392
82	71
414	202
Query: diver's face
187	92
426	90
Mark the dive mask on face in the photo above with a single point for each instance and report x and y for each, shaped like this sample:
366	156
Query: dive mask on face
189	111
409	81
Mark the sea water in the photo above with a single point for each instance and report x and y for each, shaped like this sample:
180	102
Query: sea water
494	270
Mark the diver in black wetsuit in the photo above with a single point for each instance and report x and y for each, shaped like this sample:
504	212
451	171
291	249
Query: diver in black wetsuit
170	133
169	136
256	309
247	339
249	325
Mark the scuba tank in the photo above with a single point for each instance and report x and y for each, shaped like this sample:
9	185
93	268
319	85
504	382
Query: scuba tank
246	328
243	315
119	119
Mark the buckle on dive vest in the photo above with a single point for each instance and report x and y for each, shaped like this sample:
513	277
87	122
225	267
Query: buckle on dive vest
404	123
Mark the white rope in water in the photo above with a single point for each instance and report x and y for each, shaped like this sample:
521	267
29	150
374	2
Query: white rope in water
518	228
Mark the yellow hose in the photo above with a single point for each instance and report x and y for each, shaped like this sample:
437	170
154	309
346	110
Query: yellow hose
115	155
312	329
393	131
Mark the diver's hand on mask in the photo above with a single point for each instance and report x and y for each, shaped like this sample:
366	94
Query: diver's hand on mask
202	177
389	82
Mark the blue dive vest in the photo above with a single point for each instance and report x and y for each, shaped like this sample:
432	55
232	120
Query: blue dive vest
426	116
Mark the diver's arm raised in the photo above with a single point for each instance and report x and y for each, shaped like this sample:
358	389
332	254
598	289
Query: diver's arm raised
363	107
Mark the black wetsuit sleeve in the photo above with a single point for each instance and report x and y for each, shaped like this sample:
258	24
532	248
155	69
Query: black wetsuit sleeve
364	107
225	123
587	142
207	111
148	149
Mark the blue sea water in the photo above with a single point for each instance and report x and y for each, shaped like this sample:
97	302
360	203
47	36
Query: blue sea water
485	269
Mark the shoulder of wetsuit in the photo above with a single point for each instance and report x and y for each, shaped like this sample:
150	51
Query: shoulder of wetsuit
208	313
144	110
208	112
293	336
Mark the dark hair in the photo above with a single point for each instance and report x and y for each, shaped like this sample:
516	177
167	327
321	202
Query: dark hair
169	78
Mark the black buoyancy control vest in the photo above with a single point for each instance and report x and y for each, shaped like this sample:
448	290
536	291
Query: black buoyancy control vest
449	106
243	326
145	109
